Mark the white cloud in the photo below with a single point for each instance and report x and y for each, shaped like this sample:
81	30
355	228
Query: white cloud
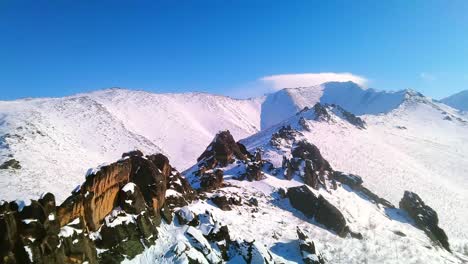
427	76
310	79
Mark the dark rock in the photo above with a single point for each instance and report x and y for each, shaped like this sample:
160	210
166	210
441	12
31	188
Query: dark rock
350	117
166	214
137	153
285	133
288	169
222	150
254	171
349	179
212	181
425	218
224	202
131	200
306	151
10	164
304	200
308	251
321	113
253	201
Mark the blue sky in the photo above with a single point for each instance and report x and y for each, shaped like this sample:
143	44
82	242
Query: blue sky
56	48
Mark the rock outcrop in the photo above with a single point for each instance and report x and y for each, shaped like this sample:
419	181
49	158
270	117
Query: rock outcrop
222	154
425	218
222	151
304	200
114	212
308	250
307	162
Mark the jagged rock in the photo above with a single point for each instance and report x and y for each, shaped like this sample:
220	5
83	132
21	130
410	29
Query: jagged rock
10	164
99	194
306	151
425	218
254	171
303	124
308	251
288	168
304	200
121	203
222	150
212	181
224	202
321	113
284	134
350	117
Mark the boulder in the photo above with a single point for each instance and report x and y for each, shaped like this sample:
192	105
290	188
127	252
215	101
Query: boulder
425	218
304	200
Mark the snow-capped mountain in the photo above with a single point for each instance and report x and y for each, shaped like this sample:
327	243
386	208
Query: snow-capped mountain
55	140
285	103
233	206
458	100
395	141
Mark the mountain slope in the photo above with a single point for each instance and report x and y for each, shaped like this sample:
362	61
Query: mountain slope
55	140
420	146
458	100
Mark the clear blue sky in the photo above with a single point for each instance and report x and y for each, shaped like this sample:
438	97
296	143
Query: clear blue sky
56	48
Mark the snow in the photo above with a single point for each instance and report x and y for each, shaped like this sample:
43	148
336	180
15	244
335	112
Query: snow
129	187
458	100
28	221
58	139
287	102
29	252
429	157
273	228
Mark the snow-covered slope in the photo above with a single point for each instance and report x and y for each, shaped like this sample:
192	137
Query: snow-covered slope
263	214
420	146
458	100
56	140
285	103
